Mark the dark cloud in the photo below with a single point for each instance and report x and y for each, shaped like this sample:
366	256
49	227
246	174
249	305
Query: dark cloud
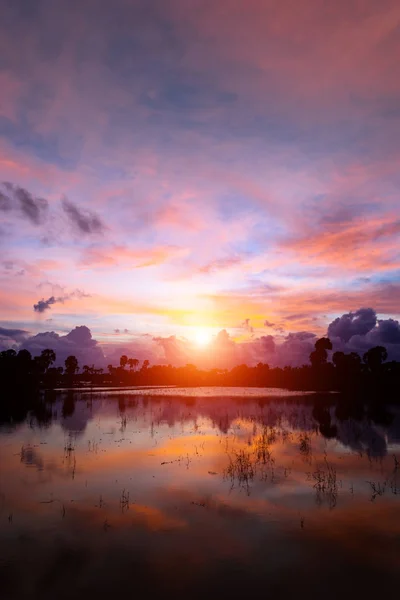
387	332
33	208
43	305
360	330
352	323
11	338
15	334
18	198
82	221
5	202
78	342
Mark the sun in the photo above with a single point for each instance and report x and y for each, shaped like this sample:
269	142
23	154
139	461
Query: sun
202	337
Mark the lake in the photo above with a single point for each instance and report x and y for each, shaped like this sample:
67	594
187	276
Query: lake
203	491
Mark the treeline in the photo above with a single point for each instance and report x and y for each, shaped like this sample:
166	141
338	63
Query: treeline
344	372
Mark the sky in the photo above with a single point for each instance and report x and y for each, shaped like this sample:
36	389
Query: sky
172	170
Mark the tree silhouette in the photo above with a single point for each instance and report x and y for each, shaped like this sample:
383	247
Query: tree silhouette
24	358
372	378
319	356
374	357
10	353
323	344
47	357
338	359
133	363
348	368
71	365
355	358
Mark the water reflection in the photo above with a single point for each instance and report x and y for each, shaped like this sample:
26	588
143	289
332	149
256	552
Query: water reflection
112	493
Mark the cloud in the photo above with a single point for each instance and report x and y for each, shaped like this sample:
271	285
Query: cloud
293	349
142	347
43	305
14	197
110	255
208	94
78	342
387	332
297	317
177	351
267	343
15	334
372	244
11	338
83	221
221	264
360	330
275	326
223	351
349	324
5	202
34	209
247	326
269	324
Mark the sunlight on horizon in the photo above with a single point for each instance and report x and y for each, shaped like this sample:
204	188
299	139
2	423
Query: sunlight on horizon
202	336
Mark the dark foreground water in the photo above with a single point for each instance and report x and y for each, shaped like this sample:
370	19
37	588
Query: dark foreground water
117	495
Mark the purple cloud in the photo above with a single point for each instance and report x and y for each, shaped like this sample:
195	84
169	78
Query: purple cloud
353	323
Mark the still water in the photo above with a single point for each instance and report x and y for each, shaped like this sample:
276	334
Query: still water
188	493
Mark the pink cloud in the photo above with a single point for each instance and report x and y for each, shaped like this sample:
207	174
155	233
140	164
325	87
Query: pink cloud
362	245
221	264
111	256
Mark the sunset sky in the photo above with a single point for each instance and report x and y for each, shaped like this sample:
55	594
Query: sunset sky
182	167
